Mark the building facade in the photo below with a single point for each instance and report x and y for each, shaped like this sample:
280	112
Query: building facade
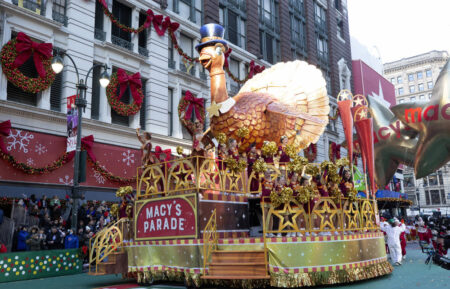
414	78
266	31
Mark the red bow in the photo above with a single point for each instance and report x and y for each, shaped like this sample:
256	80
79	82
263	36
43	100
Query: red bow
88	143
159	151
5	130
226	57
133	80
254	69
25	47
193	102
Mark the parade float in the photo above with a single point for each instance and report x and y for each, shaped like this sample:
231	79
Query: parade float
193	218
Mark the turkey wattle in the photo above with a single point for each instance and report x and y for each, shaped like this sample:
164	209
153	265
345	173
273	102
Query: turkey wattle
288	99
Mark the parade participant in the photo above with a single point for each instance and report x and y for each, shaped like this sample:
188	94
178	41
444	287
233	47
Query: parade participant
346	184
146	140
222	154
252	156
280	183
267	187
422	230
233	149
283	157
403	239
268	159
393	231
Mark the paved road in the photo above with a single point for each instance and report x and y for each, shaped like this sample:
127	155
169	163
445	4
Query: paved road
411	275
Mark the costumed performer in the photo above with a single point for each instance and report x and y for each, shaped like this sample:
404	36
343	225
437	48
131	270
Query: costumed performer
393	231
267	188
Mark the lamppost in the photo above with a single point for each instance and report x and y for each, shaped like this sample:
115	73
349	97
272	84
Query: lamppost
80	103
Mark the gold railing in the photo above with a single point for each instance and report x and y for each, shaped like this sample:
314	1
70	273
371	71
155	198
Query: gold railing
210	239
326	214
107	241
192	174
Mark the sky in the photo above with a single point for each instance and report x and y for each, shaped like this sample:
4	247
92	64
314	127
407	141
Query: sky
400	28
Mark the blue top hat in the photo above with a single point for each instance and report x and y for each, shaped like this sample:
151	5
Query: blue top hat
211	34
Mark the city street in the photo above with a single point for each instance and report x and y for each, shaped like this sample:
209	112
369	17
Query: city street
412	274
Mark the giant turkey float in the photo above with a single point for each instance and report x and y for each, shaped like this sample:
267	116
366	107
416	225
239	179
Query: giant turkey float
243	209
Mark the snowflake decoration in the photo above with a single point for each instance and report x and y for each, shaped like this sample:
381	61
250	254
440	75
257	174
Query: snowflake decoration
30	162
99	178
66	181
40	149
17	139
128	157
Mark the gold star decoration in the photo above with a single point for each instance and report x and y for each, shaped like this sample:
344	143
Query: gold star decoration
292	214
151	180
329	214
213	109
432	120
181	174
344	95
352	216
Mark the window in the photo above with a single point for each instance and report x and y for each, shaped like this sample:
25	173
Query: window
427	198
269	41
142	116
401	101
322	50
189	9
340	29
428	73
430	84
142	40
187	44
320	17
420	86
95	101
412	89
234	68
419	75
337	5
298	32
410	77
400	91
435	198
421	97
441	179
443	197
408	180
126	98
59	11
56	91
413	98
98	31
118	36
170	112
171	60
429	95
393	80
425	182
433	179
399	79
37	6
232	16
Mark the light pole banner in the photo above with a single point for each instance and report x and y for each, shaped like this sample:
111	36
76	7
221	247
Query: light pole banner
72	123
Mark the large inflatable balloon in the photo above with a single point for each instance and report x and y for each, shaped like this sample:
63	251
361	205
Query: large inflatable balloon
432	120
394	143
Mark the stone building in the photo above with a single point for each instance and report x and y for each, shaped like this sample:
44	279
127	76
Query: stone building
414	78
266	31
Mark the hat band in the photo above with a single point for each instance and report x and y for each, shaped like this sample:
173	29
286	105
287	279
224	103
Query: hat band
205	39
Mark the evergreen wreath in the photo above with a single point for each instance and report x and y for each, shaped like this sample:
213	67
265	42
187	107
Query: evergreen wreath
118	106
182	107
16	77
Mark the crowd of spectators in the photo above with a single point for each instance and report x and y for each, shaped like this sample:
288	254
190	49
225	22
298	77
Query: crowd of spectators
45	224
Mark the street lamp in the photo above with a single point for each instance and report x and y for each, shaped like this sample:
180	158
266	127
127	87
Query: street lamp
80	102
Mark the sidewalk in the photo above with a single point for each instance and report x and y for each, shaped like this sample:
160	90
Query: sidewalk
412	274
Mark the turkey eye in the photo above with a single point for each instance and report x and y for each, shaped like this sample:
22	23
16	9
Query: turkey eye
218	50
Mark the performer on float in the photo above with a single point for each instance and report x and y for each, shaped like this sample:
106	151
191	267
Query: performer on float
393	231
346	184
283	157
267	187
295	185
268	159
280	183
146	140
222	154
233	149
252	156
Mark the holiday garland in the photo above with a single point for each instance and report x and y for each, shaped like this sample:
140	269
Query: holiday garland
9	55
125	28
310	152
65	158
114	100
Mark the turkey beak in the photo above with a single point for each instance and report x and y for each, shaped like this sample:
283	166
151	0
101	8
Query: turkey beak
205	60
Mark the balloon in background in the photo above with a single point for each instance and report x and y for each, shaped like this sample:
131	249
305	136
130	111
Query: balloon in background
394	143
432	120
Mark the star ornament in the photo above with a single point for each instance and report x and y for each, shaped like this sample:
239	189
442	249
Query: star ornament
432	120
359	100
394	143
344	95
213	110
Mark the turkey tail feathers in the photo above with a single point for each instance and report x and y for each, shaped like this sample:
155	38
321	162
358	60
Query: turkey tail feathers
300	85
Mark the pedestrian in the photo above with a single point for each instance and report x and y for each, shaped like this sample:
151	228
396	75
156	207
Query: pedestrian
54	239
71	241
393	231
22	237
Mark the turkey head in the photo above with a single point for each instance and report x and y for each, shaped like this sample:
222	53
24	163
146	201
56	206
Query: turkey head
212	58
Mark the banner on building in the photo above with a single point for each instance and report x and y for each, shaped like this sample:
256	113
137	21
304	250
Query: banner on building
72	123
166	218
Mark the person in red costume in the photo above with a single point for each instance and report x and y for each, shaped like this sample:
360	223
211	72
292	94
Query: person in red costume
233	149
403	240
267	187
346	184
268	159
252	156
283	157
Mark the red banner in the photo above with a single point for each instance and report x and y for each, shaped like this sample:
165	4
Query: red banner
166	218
